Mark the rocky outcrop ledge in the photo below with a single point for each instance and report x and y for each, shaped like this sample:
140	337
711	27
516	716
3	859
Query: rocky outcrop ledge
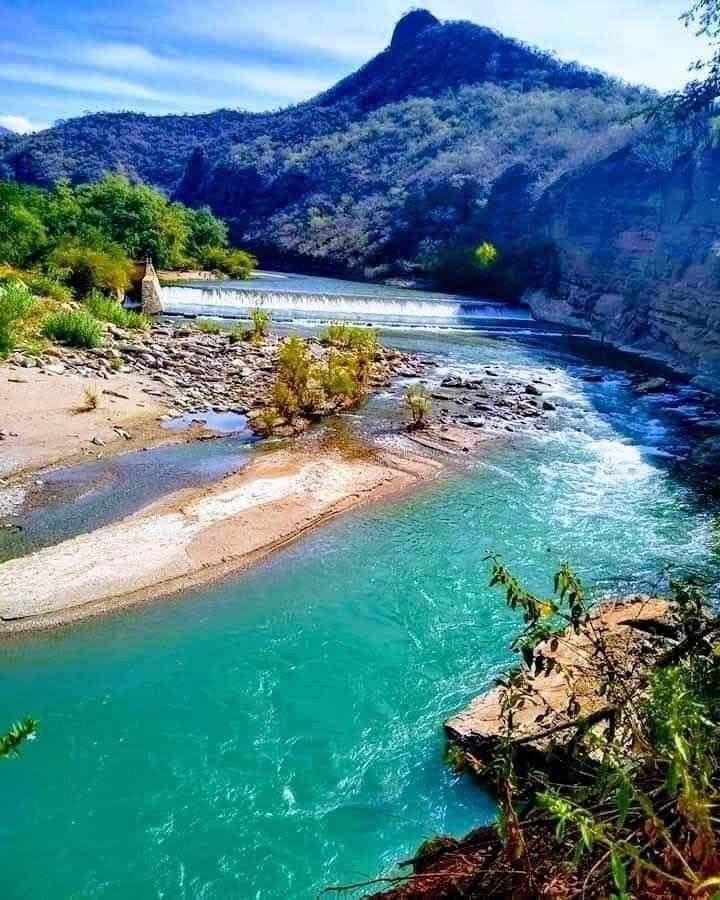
635	632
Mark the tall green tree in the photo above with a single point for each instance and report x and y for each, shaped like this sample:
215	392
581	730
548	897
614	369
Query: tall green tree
136	218
22	233
205	230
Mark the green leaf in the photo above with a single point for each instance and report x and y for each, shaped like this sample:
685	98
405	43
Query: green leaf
586	835
617	867
623	797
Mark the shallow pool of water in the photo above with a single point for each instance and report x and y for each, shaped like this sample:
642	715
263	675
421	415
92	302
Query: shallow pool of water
76	499
282	731
219	422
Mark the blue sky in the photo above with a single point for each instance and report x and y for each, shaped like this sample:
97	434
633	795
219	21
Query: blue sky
60	58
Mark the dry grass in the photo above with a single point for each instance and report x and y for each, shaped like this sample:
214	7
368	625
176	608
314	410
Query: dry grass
91	399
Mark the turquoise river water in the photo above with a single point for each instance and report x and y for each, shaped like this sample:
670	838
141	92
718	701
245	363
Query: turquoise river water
282	731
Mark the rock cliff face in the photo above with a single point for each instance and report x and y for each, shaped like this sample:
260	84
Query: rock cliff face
637	238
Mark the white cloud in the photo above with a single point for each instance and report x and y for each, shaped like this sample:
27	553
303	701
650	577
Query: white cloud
276	82
21	125
121	56
80	82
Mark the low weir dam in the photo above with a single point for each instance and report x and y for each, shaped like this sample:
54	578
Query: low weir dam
382	306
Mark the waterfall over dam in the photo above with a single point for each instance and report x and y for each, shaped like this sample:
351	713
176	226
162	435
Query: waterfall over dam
383	306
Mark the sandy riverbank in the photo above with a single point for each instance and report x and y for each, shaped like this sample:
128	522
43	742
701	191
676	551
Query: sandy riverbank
42	425
196	536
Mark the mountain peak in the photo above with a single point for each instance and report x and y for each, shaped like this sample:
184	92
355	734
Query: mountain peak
411	25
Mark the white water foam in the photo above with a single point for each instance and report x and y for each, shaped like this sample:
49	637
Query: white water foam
290	305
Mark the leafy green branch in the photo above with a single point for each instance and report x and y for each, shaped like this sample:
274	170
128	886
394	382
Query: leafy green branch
10	743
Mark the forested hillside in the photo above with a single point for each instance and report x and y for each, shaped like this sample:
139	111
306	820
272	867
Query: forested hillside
382	173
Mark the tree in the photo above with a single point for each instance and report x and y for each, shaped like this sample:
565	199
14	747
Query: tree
701	92
136	218
204	230
236	263
22	232
85	268
485	256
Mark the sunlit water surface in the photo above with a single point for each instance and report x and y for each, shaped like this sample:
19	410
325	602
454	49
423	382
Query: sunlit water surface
282	731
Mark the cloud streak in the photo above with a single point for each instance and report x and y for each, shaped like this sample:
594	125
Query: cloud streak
93	84
273	81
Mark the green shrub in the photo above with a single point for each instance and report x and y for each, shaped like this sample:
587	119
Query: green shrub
286	402
86	269
16	303
268	420
417	402
260	327
47	286
485	255
260	318
91	400
349	337
75	327
341	377
295	363
235	263
108	310
208	327
239	333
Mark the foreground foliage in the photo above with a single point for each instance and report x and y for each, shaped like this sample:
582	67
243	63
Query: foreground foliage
16	304
701	92
640	803
74	327
624	801
15	737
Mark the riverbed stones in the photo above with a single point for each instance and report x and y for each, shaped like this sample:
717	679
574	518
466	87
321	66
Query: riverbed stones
195	371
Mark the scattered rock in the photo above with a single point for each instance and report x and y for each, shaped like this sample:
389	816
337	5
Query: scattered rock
651	386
